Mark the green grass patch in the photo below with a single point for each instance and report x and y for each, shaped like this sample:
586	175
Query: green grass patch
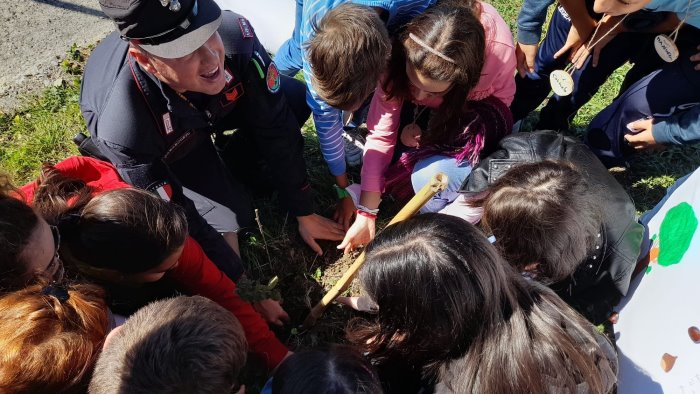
40	132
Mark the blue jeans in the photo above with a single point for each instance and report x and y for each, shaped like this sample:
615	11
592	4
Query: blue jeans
456	174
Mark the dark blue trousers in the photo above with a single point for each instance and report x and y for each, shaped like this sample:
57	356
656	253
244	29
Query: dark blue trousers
532	90
665	92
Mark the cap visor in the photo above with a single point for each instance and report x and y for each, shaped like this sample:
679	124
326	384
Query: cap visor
189	42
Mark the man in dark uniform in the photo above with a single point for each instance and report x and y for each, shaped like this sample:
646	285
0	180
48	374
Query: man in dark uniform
176	72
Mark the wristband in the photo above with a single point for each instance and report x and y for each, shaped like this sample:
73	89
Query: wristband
341	192
366	214
370	211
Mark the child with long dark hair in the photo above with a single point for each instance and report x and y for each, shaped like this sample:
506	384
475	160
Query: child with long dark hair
452	310
135	244
445	97
559	217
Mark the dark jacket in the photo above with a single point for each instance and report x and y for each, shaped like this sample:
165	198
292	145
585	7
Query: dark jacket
600	281
145	128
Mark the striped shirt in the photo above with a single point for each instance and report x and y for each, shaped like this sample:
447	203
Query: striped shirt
328	120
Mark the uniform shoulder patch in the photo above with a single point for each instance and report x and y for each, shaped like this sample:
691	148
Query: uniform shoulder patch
246	29
273	78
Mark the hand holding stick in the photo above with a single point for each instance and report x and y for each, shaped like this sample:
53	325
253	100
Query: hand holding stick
437	184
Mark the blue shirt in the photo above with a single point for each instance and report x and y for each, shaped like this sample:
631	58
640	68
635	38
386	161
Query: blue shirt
680	7
328	120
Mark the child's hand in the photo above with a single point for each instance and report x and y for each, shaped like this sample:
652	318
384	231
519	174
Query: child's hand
642	138
410	135
271	311
526	55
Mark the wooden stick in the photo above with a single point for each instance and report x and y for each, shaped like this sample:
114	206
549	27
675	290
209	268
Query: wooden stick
437	184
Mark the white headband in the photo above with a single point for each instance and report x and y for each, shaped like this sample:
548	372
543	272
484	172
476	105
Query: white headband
430	49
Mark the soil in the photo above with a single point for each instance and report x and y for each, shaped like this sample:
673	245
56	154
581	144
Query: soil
34	38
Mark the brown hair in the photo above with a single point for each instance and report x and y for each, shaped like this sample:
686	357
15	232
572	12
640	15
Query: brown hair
449	304
128	230
542	213
18	223
454	30
49	345
182	344
348	53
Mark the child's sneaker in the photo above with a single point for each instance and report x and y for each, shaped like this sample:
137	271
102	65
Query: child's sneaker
354	147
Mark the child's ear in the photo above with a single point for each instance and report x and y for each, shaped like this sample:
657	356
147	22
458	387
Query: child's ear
531	267
111	336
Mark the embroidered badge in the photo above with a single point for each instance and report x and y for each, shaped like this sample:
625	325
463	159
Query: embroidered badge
227	76
164	190
273	78
168	123
246	29
234	93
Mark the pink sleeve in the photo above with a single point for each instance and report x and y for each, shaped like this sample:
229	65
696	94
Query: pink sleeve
460	208
383	122
498	74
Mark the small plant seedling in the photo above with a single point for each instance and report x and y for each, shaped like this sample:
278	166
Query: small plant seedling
253	291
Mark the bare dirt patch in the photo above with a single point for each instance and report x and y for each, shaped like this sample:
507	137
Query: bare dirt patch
34	38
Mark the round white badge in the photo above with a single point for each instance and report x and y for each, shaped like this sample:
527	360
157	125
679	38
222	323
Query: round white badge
666	48
561	82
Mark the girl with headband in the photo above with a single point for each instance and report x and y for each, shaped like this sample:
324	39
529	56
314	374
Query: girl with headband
442	104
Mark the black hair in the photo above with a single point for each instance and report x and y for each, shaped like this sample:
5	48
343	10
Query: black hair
338	370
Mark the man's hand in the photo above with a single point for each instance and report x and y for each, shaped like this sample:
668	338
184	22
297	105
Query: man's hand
361	232
696	58
271	311
313	227
525	55
574	42
344	211
642	138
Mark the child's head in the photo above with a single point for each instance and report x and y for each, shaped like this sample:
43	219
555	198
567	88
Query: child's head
347	54
436	281
182	344
446	44
543	217
129	233
28	246
338	370
449	304
440	53
50	336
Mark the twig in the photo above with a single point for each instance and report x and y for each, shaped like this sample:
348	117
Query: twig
260	227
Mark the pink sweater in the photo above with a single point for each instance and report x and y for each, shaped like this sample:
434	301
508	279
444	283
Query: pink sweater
384	115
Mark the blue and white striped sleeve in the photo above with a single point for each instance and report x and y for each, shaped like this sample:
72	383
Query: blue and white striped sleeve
329	128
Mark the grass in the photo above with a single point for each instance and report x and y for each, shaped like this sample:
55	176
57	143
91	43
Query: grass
42	131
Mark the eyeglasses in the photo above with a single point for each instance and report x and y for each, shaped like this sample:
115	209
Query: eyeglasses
57	244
